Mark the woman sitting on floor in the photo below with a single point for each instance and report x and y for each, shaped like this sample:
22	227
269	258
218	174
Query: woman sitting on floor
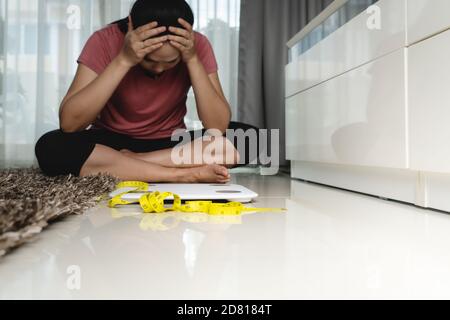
130	90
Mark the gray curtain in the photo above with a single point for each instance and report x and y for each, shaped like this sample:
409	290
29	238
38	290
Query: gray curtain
265	28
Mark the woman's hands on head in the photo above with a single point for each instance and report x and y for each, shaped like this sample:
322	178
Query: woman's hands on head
137	43
184	40
142	41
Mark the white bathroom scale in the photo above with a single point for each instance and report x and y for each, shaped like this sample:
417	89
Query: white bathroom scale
198	191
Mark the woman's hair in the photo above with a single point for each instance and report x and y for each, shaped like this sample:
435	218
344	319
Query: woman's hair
165	12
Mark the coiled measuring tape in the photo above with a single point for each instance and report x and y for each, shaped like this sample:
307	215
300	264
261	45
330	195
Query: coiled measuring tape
153	202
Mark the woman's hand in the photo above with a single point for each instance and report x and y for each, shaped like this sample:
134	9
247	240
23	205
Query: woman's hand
137	43
184	40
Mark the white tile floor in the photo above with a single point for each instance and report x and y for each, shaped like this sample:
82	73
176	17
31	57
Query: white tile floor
329	244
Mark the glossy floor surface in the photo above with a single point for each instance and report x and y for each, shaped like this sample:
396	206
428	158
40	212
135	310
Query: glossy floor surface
329	244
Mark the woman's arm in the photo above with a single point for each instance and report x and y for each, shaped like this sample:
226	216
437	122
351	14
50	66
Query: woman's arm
213	108
88	95
90	92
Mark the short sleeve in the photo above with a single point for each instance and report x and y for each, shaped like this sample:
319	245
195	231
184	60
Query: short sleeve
95	55
206	53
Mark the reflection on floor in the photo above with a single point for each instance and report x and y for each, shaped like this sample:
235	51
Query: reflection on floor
329	244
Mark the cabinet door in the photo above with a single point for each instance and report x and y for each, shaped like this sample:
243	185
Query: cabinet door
352	45
426	18
429	102
358	118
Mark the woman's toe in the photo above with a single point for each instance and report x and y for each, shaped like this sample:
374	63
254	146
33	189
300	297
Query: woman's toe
222	171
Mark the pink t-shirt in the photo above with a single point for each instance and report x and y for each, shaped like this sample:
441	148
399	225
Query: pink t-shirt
142	107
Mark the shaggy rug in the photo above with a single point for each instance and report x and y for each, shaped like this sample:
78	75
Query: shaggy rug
29	201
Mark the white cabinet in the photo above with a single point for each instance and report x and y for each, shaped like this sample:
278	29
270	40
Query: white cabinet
352	45
429	104
436	188
358	118
427	18
370	112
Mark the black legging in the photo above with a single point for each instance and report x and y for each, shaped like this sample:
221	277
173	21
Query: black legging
61	153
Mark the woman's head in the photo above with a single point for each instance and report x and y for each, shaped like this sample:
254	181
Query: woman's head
166	13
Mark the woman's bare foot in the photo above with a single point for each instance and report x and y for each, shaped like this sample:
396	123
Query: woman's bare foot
197	173
206	174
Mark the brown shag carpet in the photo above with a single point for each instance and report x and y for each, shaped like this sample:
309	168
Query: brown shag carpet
29	201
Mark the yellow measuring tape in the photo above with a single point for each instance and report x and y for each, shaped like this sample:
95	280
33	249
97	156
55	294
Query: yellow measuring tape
153	202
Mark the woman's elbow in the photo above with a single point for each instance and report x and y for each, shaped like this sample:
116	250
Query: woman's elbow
66	128
223	127
227	121
69	123
69	126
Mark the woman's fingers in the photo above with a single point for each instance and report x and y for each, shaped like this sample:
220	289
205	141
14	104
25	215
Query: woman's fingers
142	48
151	33
183	41
178	46
146	27
134	48
142	53
130	24
153	41
185	24
180	32
137	46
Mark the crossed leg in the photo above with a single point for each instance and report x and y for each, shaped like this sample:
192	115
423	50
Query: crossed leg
160	166
200	152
